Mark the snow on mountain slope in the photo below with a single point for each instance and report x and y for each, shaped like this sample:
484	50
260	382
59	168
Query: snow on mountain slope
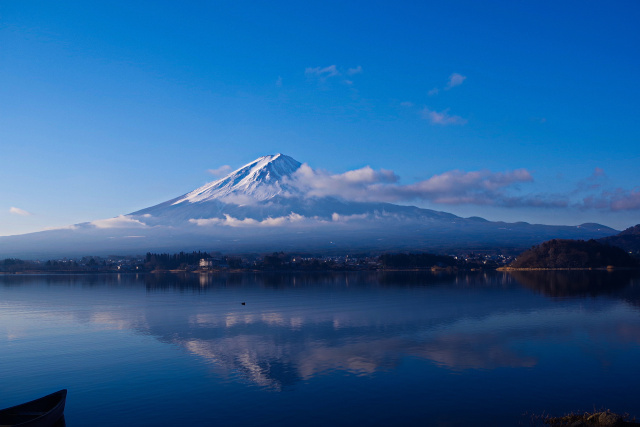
260	179
255	183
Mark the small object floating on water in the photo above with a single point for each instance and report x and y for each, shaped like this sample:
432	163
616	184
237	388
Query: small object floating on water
46	411
244	303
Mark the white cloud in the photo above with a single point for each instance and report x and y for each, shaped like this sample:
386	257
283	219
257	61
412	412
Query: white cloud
455	79
335	217
279	81
407	104
433	91
288	220
18	211
451	187
221	171
349	185
122	221
65	227
239	199
442	117
322	72
229	221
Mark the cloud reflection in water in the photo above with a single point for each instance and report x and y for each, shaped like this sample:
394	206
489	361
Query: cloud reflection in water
297	327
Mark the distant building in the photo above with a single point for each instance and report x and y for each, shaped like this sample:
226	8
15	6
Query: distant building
206	263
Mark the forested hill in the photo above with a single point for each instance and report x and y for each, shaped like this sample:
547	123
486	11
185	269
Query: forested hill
629	239
560	253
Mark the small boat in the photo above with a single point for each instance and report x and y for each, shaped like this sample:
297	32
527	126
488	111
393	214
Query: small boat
47	411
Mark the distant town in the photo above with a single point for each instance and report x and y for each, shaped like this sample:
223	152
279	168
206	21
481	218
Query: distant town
204	262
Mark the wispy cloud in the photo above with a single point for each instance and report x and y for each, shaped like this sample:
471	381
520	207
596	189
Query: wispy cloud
593	192
221	171
279	81
614	200
595	181
441	118
18	211
356	70
455	79
626	200
322	72
122	221
598	172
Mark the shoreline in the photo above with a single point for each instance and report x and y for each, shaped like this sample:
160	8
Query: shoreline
235	271
381	270
608	268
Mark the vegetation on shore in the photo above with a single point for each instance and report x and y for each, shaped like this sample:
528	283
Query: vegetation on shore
276	261
602	418
573	254
629	240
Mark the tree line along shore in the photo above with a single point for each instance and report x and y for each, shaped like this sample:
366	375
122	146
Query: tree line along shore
556	254
203	262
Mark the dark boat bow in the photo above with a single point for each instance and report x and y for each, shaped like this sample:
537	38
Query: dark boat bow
46	411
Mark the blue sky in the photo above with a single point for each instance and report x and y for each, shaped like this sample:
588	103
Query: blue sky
527	111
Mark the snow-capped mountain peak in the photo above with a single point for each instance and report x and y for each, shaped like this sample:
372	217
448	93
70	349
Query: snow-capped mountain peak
261	179
262	207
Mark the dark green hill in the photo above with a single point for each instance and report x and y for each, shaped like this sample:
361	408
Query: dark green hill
560	253
629	239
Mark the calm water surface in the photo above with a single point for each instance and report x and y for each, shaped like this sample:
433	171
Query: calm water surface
322	349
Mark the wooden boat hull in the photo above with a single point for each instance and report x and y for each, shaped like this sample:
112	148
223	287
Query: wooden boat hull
46	411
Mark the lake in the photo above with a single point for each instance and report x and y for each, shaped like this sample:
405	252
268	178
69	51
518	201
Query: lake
344	349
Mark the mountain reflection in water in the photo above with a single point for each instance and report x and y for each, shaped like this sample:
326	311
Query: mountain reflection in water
358	323
298	328
277	344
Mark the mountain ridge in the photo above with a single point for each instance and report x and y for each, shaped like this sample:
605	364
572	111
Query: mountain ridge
260	207
628	239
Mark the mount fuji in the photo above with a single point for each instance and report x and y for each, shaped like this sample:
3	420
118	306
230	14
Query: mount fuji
264	206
